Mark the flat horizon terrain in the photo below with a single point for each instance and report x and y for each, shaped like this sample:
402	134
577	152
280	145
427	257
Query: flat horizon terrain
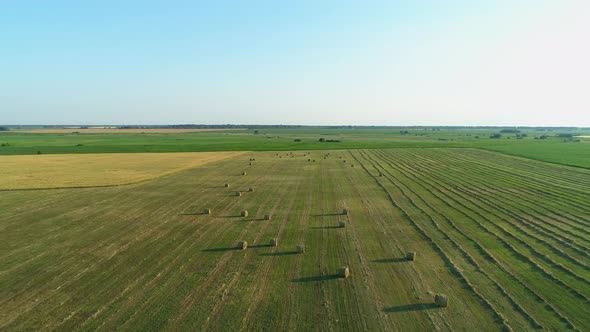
407	166
505	238
555	145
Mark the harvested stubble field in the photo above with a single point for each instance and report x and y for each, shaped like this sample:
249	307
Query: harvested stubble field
506	239
100	169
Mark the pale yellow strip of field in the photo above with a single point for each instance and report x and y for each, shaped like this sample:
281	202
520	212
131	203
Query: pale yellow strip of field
115	131
89	170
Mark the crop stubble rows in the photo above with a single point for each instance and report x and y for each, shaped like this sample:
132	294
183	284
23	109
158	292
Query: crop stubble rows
505	238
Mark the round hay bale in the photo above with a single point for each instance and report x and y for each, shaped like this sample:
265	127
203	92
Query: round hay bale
300	249
274	242
441	300
239	193
308	159
351	165
226	185
267	217
250	189
244	213
344	272
243	173
313	160
207	211
345	212
341	224
250	164
243	245
411	255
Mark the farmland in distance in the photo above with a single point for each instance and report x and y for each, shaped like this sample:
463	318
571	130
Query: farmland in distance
505	238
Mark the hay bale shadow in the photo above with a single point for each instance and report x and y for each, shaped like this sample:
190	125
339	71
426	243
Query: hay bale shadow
317	278
324	227
326	214
411	307
221	249
390	260
283	253
191	213
260	246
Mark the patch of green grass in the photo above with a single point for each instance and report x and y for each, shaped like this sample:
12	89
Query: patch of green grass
552	149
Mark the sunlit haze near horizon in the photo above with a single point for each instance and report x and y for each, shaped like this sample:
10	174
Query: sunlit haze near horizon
523	63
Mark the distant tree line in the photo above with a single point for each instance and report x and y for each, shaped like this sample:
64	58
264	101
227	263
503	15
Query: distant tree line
509	131
329	140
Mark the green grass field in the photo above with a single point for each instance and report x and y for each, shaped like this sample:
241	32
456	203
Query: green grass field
506	238
553	149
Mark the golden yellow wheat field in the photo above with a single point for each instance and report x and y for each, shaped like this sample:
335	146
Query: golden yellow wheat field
87	170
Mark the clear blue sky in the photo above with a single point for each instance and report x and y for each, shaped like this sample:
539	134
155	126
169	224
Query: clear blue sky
456	62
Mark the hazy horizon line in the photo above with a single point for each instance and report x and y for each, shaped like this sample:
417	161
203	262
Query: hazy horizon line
242	125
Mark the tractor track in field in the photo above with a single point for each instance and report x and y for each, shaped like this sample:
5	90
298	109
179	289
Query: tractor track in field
525	194
500	319
526	231
568	185
528	185
351	235
262	288
559	314
532	185
248	258
163	266
535	252
303	222
416	276
162	263
508	246
529	225
528	188
74	266
214	274
494	284
322	259
137	237
468	258
379	227
512	236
